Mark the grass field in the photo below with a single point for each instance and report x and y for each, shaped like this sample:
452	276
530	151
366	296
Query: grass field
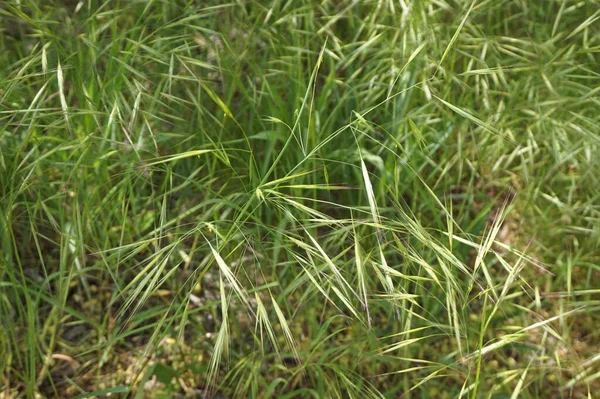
295	199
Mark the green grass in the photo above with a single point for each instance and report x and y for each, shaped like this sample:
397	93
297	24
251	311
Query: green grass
328	199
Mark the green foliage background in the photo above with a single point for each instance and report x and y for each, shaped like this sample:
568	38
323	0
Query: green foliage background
299	198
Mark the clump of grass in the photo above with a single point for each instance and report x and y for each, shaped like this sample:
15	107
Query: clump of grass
297	198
